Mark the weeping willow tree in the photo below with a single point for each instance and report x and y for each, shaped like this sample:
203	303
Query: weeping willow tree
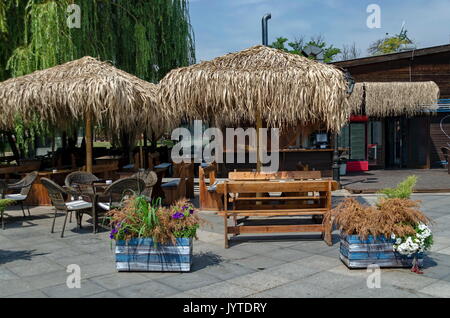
146	38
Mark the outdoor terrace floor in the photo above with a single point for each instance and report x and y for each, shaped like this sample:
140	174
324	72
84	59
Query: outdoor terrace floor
33	264
429	180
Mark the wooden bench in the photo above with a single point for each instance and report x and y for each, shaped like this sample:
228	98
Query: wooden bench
281	175
186	170
305	198
209	199
176	190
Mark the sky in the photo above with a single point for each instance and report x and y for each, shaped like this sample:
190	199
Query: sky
224	26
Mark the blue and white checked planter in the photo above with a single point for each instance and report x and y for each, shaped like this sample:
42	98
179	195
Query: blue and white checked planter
358	253
141	255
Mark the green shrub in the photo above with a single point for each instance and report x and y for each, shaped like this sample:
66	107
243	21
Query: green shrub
4	203
403	190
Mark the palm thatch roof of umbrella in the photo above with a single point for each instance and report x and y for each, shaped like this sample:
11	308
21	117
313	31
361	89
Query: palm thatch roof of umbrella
285	89
80	88
393	98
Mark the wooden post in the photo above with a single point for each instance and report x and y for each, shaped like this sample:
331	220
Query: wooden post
88	133
141	153
258	128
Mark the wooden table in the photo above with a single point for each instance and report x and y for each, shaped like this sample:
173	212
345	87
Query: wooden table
38	194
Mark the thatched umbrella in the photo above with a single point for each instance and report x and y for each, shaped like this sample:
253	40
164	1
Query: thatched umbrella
258	84
385	99
84	89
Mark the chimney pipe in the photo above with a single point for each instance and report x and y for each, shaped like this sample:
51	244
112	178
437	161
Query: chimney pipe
265	30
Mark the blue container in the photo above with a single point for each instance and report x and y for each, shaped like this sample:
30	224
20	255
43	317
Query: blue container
360	253
141	255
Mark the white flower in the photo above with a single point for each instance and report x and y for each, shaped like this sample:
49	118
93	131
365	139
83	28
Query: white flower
422	226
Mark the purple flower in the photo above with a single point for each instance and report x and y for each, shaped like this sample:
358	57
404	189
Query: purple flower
113	233
191	211
178	216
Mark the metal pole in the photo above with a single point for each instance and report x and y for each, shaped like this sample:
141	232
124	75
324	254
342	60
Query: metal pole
265	32
336	172
259	122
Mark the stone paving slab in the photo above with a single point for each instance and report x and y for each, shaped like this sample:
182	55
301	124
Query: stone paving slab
429	180
33	263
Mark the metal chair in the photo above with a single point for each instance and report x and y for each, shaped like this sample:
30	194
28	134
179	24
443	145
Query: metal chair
118	190
150	178
76	178
57	194
24	186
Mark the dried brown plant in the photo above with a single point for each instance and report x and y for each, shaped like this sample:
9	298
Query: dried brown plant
390	216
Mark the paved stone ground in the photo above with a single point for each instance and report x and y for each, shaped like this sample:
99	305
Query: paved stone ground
430	180
33	263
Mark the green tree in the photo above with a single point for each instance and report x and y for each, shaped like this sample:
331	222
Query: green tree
146	38
297	46
390	44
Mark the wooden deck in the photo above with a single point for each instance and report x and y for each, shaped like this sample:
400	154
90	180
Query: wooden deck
430	181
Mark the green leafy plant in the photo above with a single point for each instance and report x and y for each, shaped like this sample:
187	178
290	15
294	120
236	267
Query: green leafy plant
138	218
403	190
4	203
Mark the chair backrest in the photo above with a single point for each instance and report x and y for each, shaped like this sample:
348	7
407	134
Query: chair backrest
122	187
150	179
79	177
56	193
28	182
153	160
209	172
149	176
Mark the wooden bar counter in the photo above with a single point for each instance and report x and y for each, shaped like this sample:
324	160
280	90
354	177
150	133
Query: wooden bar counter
314	159
39	195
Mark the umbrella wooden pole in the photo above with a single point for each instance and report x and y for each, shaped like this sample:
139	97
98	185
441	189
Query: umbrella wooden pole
258	146
89	143
141	153
258	158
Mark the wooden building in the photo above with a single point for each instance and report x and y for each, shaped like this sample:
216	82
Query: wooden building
404	141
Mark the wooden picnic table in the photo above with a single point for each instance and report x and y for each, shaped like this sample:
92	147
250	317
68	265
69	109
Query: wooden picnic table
276	198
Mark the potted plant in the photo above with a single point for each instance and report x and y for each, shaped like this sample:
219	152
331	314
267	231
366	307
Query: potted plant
4	203
394	233
150	237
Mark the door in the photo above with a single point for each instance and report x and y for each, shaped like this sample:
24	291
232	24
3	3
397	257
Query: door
396	142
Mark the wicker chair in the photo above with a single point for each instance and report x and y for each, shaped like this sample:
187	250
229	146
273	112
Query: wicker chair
115	193
24	186
150	178
76	178
57	194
